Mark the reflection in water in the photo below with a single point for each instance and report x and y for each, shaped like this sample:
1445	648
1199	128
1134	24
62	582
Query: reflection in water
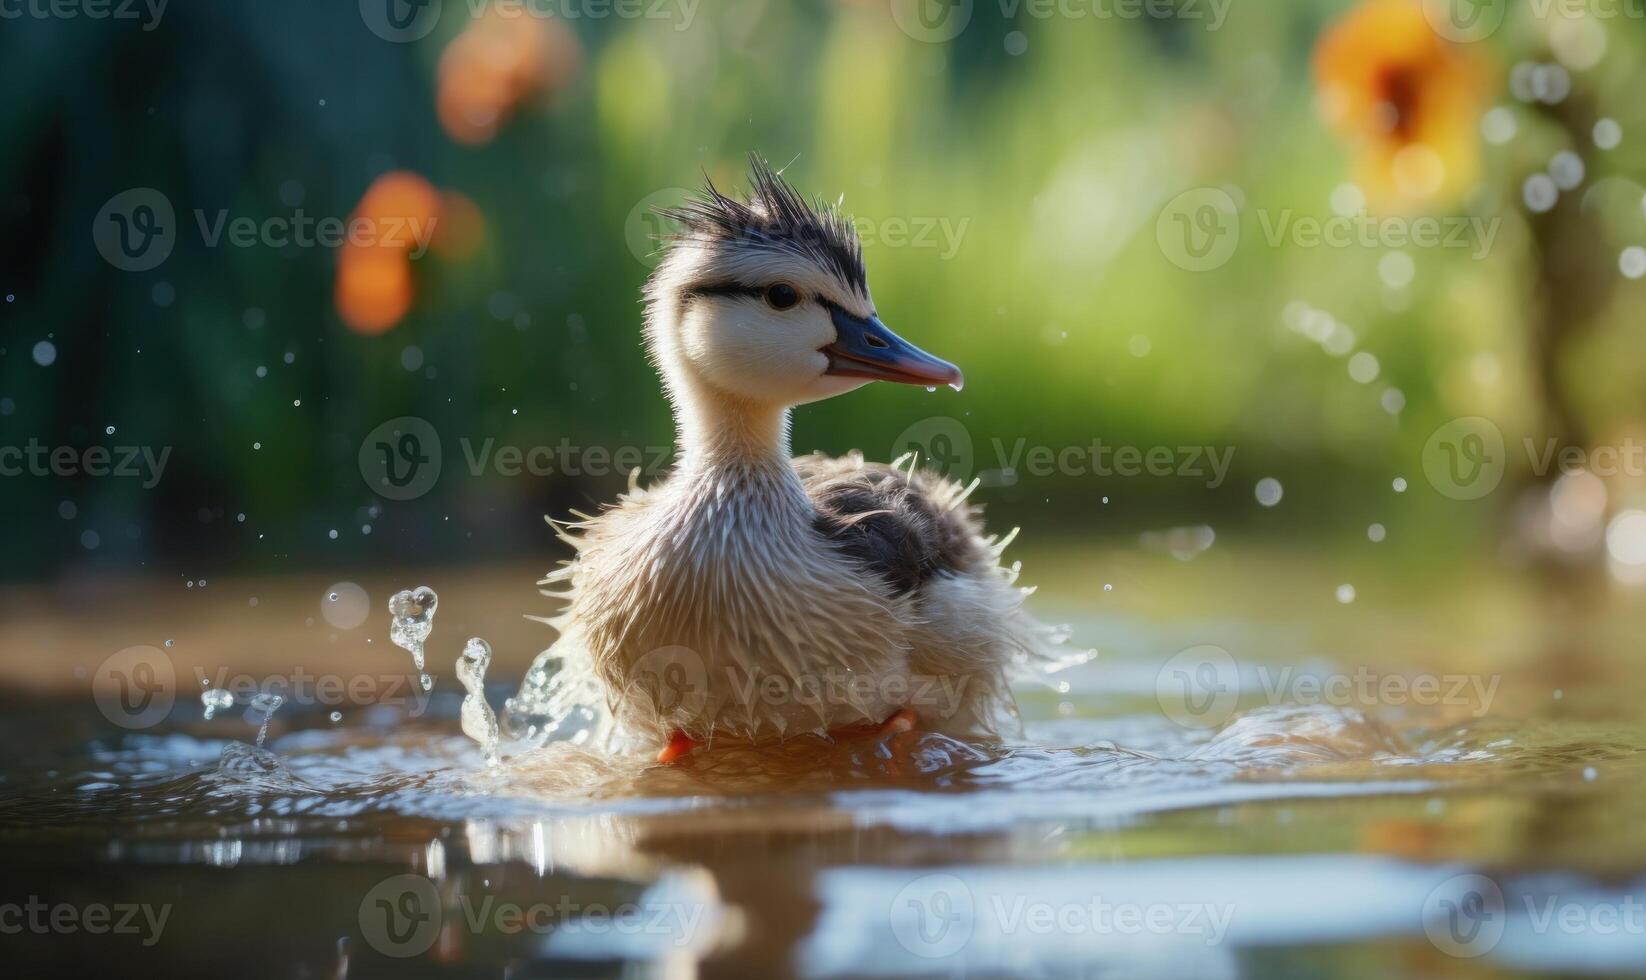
1303	835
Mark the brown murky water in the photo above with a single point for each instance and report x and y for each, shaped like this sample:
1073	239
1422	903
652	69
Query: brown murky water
1442	776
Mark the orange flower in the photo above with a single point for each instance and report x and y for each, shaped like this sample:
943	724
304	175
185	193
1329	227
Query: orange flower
1407	101
374	275
497	62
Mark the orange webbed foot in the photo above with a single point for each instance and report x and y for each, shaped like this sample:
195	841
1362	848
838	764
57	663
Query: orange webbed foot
679	744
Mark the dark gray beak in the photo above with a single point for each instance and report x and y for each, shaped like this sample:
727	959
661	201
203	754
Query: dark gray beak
866	348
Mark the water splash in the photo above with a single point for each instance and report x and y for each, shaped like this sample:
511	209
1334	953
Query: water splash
216	699
413	612
267	704
479	723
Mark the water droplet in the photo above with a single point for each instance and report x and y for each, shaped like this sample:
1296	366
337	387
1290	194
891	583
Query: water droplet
216	699
45	353
1633	262
336	716
1400	484
1498	125
1345	593
1540	193
1566	170
1608	134
1269	491
346	606
1363	367
479	722
1376	532
266	704
413	619
1396	270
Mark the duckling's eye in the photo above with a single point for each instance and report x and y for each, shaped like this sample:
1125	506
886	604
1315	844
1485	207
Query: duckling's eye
782	296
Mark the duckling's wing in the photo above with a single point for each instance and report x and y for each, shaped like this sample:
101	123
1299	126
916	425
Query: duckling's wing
905	527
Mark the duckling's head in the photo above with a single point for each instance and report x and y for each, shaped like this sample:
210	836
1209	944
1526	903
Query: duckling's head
766	302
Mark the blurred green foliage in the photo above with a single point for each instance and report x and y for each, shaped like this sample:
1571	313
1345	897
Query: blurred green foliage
1036	153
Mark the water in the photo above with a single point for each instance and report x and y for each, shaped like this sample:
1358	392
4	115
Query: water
413	620
215	699
1273	813
263	707
478	721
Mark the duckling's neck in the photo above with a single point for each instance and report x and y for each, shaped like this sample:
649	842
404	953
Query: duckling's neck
718	432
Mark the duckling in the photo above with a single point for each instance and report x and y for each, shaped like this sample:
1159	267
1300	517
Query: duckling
751	595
